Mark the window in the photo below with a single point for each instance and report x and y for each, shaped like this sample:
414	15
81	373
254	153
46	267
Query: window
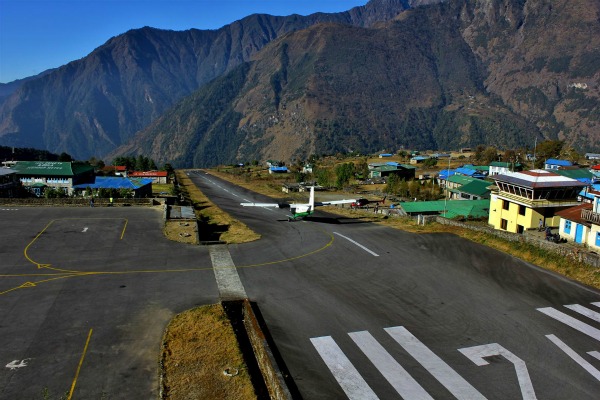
505	204
520	229
597	238
503	224
568	227
522	209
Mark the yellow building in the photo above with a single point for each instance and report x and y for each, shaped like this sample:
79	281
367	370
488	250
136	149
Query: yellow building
528	199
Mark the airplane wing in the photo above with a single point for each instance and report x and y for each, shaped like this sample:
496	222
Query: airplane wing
274	205
328	203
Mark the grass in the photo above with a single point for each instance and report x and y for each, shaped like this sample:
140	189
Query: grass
199	345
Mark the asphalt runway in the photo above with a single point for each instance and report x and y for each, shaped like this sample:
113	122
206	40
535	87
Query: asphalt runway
361	311
85	295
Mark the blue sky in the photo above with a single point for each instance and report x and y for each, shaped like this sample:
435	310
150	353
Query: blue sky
36	35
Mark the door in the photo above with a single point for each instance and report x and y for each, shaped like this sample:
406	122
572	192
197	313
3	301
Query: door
579	233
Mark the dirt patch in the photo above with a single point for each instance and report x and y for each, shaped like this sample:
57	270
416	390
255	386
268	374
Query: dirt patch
201	358
181	231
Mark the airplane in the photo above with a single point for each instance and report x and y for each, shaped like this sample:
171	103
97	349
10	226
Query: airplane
363	202
299	210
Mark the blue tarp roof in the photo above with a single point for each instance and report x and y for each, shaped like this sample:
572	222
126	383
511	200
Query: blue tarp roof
562	163
110	182
446	173
585	192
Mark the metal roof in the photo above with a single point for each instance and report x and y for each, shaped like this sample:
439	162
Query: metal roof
467	208
561	163
7	171
51	168
476	187
113	182
538	178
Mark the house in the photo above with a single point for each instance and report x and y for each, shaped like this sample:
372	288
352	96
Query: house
554	164
592	156
278	170
403	171
117	170
497	167
475	189
36	176
478	172
418	159
9	182
523	198
307	169
384	155
159	177
581	174
443	176
581	224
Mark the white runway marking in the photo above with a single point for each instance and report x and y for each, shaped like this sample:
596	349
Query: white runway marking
477	354
342	369
594	354
84	229
448	377
395	374
597	304
584	311
572	322
576	357
358	244
228	280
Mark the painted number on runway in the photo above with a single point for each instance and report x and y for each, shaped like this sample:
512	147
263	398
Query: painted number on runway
16	364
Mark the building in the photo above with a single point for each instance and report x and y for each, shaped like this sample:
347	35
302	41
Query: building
473	171
9	183
498	167
278	170
403	171
592	156
448	209
36	176
159	177
524	198
581	224
139	187
475	189
554	164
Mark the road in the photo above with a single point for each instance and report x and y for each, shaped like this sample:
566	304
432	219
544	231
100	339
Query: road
361	311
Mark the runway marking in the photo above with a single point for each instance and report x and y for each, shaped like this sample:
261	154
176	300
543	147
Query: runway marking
594	354
584	311
357	244
228	281
15	364
343	371
84	230
572	322
448	377
574	356
87	342
478	353
597	304
396	375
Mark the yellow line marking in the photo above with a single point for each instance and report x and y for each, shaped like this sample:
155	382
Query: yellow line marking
87	342
125	226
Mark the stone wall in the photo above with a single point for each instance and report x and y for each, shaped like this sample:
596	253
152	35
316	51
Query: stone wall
268	366
75	202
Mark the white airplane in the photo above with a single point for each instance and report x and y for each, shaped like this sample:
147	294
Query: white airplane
299	211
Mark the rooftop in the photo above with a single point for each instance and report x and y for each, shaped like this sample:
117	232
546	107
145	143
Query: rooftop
538	178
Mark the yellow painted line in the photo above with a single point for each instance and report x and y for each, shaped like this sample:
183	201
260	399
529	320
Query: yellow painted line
33	241
124	227
87	342
28	284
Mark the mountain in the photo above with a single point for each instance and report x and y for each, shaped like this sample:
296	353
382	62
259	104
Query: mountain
451	75
90	106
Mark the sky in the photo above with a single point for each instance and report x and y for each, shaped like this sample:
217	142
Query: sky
36	35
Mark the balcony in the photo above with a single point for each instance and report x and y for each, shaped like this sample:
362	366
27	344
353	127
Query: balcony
590	216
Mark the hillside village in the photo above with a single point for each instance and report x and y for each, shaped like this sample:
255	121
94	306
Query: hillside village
558	197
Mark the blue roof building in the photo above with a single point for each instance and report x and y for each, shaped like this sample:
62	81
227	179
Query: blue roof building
553	163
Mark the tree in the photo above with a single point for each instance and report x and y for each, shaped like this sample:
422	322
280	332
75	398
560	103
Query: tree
489	154
64	157
547	149
344	172
430	162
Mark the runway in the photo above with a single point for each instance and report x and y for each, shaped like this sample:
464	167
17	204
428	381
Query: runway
361	311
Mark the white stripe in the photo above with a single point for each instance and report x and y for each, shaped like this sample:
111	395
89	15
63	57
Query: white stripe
576	357
572	322
597	304
342	369
584	311
449	378
228	281
358	244
594	354
395	374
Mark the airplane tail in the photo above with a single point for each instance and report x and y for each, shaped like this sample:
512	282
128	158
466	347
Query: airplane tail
311	200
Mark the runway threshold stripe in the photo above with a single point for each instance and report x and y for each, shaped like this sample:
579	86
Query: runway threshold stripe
572	322
342	369
228	281
396	375
357	244
574	356
449	378
597	304
584	311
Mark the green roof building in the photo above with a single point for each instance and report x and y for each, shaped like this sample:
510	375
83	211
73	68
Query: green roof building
448	208
62	176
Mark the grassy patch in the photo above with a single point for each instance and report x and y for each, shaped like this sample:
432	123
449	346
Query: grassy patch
199	346
215	224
